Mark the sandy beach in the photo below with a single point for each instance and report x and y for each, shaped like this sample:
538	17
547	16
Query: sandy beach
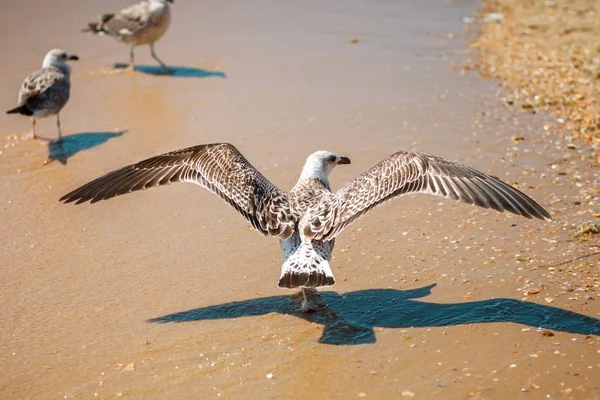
169	294
545	55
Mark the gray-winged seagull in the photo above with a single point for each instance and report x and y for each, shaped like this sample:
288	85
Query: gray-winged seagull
46	91
139	24
309	217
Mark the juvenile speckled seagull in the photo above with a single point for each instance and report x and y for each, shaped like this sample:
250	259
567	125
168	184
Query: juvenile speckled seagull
139	24
309	218
46	91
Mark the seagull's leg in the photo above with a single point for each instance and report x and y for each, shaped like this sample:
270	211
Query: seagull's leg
58	126
131	58
306	304
33	127
162	64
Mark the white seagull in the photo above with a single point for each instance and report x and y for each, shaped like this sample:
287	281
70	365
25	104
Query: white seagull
139	24
46	91
308	218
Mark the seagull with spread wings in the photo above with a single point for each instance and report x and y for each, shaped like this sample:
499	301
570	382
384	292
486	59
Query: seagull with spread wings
139	24
308	218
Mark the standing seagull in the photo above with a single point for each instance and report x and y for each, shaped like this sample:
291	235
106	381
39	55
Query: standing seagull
308	218
46	91
139	24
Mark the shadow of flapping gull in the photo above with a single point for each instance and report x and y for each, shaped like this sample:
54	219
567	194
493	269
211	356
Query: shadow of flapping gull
62	150
174	71
349	318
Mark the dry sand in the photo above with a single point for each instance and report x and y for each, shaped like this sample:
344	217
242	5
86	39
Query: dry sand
168	294
547	54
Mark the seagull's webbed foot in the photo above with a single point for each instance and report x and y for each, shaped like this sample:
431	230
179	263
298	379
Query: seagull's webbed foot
163	67
29	135
42	140
307	305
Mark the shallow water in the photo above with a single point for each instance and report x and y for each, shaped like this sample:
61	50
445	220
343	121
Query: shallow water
169	294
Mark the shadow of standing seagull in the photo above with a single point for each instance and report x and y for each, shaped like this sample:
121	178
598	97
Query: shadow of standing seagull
70	145
176	72
349	318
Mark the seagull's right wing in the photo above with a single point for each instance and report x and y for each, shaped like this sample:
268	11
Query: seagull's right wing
412	172
218	167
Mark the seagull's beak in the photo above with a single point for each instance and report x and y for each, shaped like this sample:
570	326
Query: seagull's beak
73	57
343	160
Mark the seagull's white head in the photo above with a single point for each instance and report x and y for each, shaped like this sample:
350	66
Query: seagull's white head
58	58
159	6
320	164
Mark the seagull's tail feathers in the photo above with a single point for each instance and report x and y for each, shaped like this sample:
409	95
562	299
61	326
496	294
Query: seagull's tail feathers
307	267
97	28
24	110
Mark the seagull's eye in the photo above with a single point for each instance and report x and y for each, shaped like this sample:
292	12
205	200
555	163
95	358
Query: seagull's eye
331	159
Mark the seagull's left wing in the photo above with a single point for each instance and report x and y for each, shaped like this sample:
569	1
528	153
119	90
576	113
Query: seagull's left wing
128	21
412	172
43	87
218	167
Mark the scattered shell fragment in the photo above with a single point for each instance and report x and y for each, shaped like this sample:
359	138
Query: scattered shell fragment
547	332
492	17
587	228
128	367
528	50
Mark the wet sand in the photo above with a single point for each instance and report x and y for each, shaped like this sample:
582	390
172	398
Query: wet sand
169	294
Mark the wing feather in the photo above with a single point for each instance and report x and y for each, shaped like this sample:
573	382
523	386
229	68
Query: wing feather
412	172
218	167
46	87
126	22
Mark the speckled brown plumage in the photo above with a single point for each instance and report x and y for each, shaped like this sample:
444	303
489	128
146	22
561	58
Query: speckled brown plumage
217	167
308	218
140	24
409	172
44	92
